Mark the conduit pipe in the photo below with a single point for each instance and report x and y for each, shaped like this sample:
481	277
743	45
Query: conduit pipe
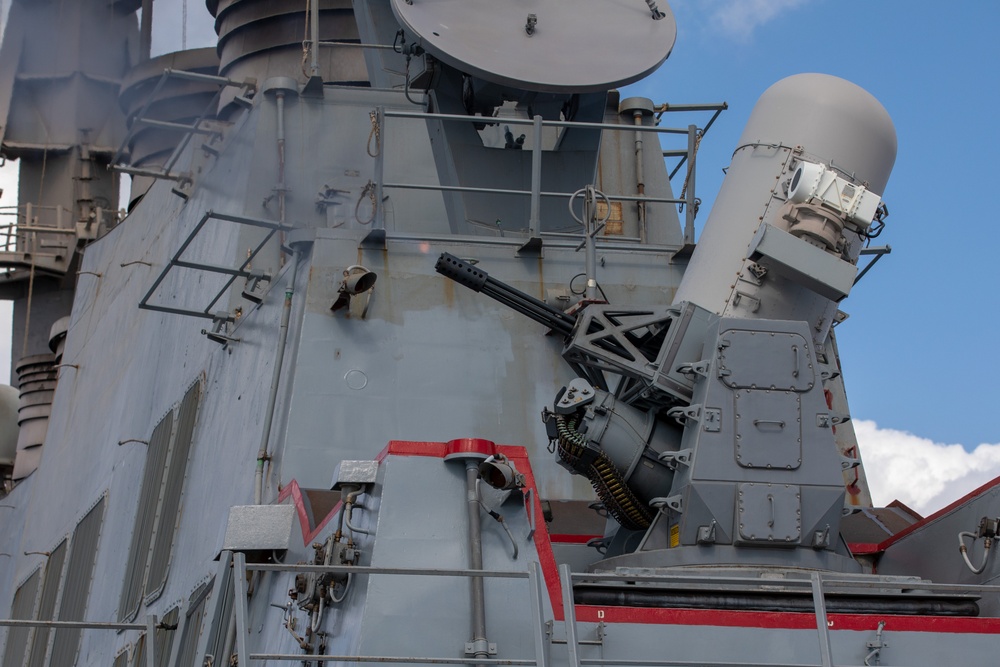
263	454
314	36
640	179
279	357
280	101
987	544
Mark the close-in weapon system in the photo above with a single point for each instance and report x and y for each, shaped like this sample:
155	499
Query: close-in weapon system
703	424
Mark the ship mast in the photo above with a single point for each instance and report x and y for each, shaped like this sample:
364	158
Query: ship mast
59	117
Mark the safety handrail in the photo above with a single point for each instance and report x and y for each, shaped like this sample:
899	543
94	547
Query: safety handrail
688	199
532	575
149	626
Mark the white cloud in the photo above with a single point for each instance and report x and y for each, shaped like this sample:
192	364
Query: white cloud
923	474
736	18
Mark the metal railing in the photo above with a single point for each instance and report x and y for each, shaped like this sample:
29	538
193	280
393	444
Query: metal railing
44	236
816	583
692	133
232	273
149	626
532	575
187	131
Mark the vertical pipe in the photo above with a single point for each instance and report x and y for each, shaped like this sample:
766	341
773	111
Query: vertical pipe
279	358
146	30
589	204
314	28
476	561
280	99
640	178
534	222
689	186
380	168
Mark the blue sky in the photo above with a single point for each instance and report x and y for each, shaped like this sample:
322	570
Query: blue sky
919	368
914	351
920	372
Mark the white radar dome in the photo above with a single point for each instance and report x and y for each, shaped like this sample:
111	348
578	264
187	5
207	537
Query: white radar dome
9	399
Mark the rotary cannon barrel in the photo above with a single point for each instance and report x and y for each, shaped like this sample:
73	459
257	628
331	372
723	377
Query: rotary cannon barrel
478	280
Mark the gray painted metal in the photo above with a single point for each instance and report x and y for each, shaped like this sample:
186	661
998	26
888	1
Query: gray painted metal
22	607
169	505
259	528
48	600
157	453
79	578
191	622
565	51
415	359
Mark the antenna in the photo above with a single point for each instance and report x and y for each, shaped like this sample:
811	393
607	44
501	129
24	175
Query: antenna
184	25
561	46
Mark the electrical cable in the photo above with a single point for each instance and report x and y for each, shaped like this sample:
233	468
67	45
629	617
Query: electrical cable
987	544
337	600
503	524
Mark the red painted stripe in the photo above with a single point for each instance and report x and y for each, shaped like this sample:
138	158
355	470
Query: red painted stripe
863	548
411	448
883	545
785	620
543	543
292	489
563	538
308	534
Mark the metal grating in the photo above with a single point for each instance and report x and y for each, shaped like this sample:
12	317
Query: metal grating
142	532
23	608
47	604
169	510
79	574
192	625
166	630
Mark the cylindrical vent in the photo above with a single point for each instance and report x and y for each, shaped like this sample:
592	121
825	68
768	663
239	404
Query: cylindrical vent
811	117
179	101
262	39
37	378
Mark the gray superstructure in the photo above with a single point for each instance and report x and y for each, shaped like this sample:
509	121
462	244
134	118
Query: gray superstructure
352	263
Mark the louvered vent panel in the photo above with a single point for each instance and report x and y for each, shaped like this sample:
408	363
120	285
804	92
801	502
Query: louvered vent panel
79	573
220	625
23	609
163	539
47	604
139	652
192	625
142	532
163	639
